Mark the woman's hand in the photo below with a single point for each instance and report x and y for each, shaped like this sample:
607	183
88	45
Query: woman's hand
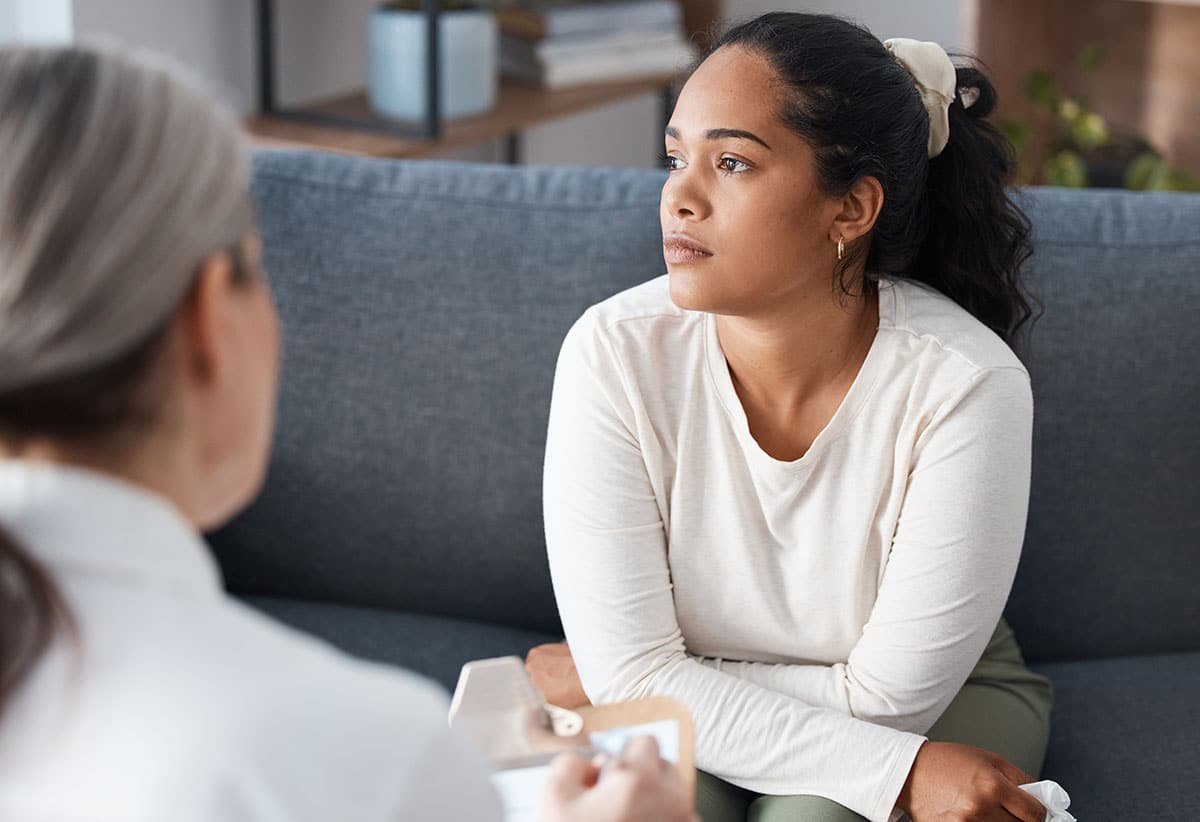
639	786
551	668
954	783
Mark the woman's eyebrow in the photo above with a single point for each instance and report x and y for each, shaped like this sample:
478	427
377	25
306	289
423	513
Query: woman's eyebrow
722	133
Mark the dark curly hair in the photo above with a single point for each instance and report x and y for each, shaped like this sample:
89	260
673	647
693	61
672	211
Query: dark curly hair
948	221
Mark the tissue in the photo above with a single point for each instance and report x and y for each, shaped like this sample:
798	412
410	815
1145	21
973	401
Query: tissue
1052	795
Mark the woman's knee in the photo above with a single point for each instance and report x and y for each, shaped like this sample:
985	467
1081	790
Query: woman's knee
719	801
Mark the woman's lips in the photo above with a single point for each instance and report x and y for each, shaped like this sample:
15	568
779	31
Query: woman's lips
679	249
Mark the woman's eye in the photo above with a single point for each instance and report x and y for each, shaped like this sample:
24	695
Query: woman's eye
672	163
732	165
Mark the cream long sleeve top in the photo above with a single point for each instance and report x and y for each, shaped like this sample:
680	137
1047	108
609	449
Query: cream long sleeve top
179	703
815	616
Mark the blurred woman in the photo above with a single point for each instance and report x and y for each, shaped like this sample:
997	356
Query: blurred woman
139	354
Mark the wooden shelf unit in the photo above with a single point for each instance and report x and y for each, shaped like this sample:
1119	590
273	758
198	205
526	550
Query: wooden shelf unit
518	107
1147	83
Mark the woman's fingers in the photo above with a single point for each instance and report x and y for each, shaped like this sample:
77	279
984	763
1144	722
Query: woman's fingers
569	777
642	751
999	815
638	787
1023	805
1012	772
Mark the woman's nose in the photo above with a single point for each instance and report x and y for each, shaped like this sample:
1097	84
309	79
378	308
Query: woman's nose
681	198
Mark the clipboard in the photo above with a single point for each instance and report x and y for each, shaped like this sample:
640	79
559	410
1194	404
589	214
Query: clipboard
644	712
520	733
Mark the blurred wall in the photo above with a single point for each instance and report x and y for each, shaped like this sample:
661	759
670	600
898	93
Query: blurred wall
939	20
321	52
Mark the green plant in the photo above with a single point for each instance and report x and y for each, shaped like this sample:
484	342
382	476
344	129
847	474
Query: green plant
1065	143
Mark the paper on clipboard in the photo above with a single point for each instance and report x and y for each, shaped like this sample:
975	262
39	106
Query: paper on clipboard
664	731
520	734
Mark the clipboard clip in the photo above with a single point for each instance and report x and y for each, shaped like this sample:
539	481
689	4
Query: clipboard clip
562	721
508	717
488	687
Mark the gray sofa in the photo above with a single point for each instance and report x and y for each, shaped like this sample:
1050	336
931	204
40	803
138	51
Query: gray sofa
423	305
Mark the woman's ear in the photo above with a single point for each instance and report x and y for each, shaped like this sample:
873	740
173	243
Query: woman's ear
860	208
203	318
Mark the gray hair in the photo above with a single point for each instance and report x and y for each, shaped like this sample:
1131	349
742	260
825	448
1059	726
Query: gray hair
119	177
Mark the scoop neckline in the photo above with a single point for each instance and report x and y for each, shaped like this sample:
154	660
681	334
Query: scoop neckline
860	389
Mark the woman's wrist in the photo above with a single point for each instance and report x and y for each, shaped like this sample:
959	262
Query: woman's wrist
904	800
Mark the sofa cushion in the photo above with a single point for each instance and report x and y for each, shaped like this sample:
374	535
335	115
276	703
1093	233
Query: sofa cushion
433	646
1114	516
423	305
1125	736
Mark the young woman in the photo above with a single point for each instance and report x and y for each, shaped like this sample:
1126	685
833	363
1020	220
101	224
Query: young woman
138	362
787	483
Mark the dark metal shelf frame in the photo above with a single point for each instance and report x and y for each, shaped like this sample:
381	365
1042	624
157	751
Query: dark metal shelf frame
268	102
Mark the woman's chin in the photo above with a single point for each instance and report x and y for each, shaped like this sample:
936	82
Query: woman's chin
689	290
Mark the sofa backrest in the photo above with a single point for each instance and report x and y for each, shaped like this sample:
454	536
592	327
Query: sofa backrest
1111	564
423	305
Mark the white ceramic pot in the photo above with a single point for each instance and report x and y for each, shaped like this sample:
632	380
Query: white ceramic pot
397	86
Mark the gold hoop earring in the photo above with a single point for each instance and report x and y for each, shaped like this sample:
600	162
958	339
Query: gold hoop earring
841	248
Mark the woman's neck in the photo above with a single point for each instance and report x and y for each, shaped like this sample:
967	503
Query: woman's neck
779	362
153	463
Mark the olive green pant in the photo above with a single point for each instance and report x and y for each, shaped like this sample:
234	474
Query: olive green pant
1003	708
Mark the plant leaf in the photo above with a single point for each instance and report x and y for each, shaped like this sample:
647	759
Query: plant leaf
1147	172
1017	132
1089	130
1066	168
1039	87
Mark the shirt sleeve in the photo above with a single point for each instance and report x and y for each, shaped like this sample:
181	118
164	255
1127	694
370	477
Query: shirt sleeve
951	566
609	563
349	739
450	781
432	772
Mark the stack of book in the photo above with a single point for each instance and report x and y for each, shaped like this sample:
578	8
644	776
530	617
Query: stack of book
561	43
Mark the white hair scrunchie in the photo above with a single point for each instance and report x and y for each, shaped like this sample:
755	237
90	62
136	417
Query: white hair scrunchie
934	76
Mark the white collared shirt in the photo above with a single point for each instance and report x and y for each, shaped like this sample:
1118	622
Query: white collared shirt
179	703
